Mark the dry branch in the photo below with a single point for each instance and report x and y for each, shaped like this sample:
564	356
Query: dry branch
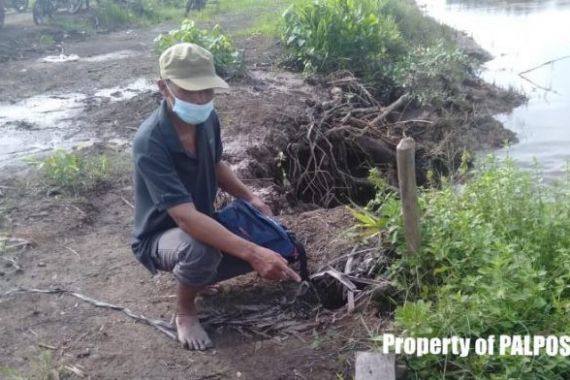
162	326
397	104
544	64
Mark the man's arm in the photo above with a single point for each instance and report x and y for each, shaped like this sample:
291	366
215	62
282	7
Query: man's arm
268	264
230	183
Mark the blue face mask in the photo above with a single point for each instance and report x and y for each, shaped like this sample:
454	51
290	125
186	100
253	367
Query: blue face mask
192	113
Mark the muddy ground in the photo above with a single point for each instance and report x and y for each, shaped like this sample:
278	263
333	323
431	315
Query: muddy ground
81	242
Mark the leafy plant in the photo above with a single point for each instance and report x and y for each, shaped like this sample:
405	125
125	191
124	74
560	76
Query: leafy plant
328	35
227	59
495	259
433	73
72	171
380	214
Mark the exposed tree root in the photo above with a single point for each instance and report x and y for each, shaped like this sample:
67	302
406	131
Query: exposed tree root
329	159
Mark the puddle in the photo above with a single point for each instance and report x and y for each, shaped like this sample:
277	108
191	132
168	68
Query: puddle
43	123
42	111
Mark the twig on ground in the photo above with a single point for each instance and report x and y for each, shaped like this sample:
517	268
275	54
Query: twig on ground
79	210
16	242
49	347
127	202
73	251
17	245
162	326
75	370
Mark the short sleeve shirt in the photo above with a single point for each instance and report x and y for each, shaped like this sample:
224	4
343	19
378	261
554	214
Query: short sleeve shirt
167	175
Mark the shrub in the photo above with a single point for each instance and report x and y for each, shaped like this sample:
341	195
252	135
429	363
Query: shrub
432	74
72	171
388	43
328	35
228	60
495	259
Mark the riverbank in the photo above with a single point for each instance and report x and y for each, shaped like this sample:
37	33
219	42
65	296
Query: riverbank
531	56
79	240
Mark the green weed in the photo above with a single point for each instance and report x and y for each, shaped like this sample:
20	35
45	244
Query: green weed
72	171
328	35
228	60
495	259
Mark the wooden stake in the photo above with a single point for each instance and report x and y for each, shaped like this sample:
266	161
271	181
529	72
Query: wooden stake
406	160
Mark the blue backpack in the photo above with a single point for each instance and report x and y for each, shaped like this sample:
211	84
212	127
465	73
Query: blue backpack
246	221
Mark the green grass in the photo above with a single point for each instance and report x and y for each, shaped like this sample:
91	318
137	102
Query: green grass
241	6
263	15
266	24
495	259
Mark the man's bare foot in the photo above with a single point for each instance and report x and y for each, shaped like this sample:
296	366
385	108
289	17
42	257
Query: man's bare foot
190	332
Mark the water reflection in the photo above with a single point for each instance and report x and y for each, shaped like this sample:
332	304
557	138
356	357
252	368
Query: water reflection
522	36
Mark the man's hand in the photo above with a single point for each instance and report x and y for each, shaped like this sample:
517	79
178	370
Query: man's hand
271	266
261	206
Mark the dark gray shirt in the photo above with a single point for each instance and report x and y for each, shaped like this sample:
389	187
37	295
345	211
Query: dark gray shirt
166	175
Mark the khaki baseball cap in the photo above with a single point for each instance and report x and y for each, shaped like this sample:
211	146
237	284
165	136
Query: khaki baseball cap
190	67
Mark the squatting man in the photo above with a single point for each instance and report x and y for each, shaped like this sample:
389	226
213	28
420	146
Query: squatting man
177	155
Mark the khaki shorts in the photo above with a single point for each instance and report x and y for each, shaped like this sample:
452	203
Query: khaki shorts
192	262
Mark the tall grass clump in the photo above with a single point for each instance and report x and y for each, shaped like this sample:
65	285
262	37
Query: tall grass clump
495	260
227	59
